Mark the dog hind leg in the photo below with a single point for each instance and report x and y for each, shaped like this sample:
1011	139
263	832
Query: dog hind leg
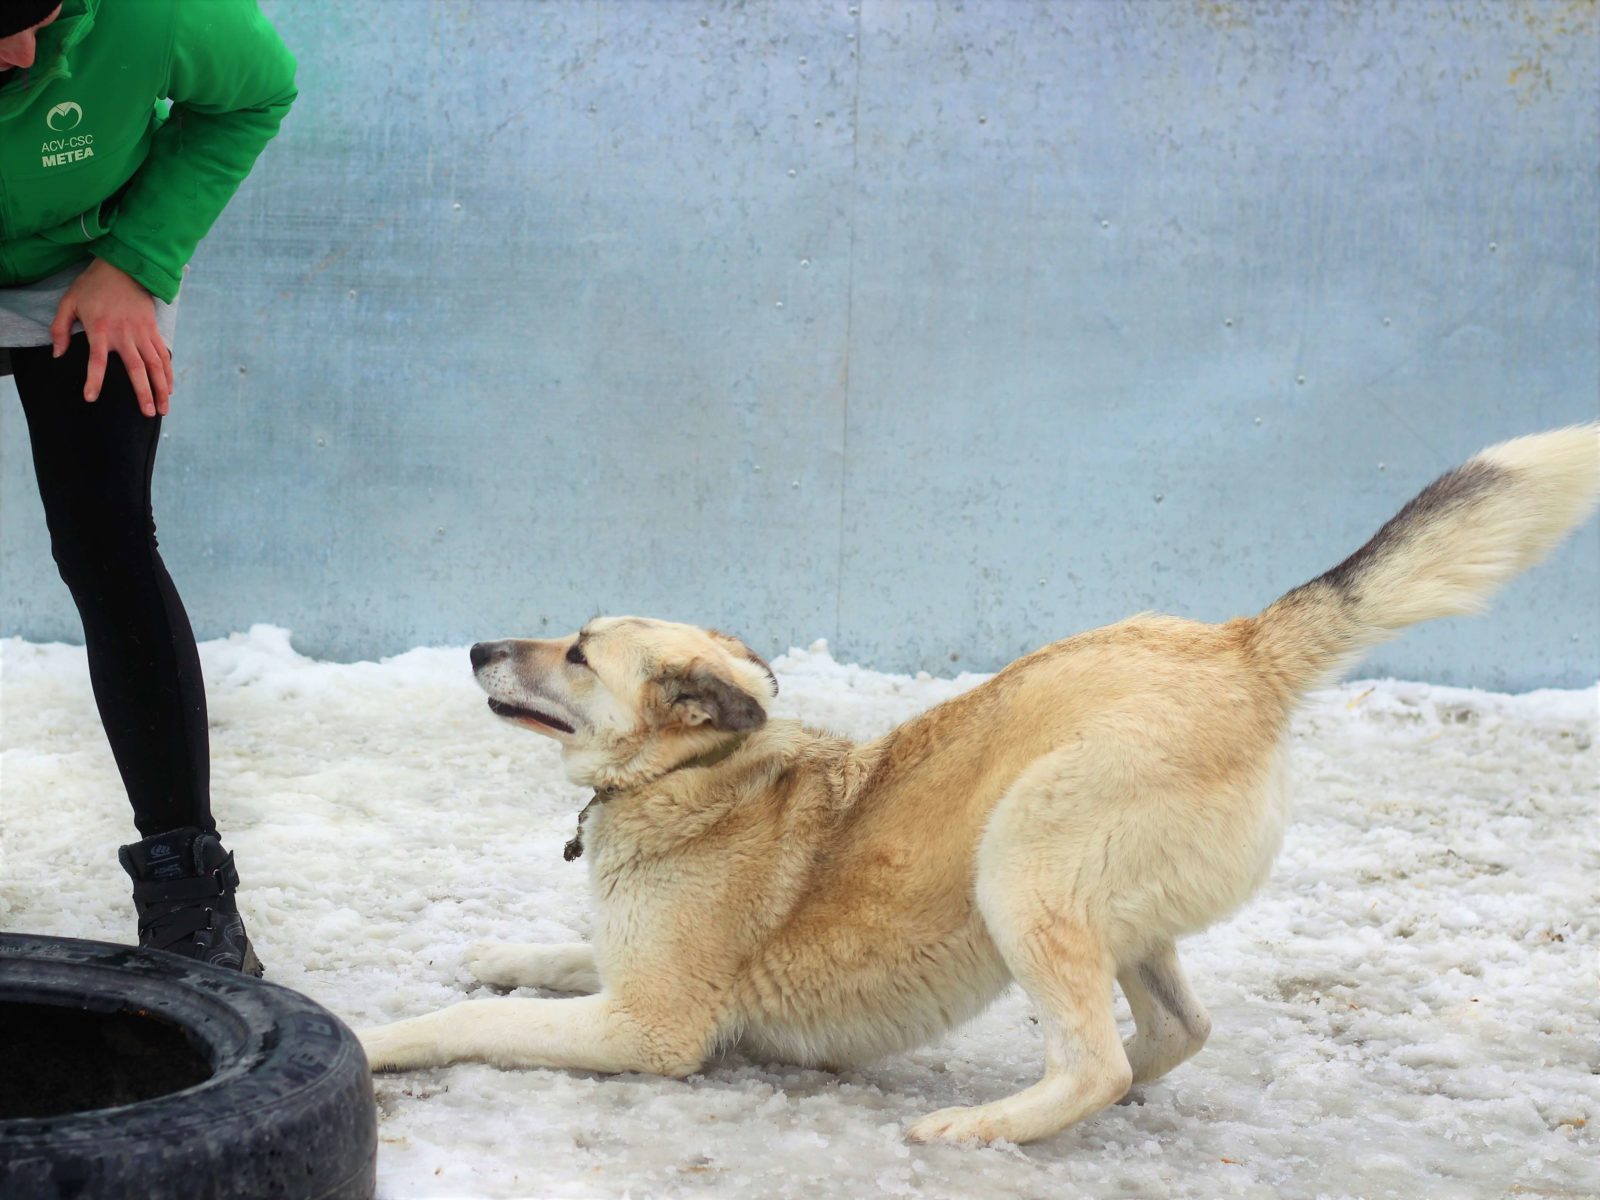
1041	884
1068	976
566	967
1039	900
1170	1024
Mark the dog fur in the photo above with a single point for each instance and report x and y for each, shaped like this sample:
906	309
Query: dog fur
1062	825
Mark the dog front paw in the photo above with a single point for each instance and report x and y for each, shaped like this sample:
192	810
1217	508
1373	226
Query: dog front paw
956	1125
497	964
507	965
390	1047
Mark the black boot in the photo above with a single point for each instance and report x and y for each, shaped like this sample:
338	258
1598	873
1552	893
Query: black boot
183	884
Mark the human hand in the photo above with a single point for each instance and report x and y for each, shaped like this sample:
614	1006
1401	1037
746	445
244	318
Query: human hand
117	314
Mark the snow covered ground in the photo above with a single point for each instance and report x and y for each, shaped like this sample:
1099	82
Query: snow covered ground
1411	1008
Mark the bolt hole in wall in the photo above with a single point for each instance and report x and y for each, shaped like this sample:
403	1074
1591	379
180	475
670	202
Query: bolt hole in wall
983	278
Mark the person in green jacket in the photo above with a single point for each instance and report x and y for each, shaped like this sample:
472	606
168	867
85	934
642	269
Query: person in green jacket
125	128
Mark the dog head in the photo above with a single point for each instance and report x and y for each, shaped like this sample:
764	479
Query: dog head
628	698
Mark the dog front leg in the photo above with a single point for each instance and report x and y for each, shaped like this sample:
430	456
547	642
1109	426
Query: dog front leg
568	967
587	1033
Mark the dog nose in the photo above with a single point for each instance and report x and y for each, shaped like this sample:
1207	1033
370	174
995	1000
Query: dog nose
480	653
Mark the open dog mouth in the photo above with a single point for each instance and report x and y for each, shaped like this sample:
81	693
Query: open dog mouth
501	709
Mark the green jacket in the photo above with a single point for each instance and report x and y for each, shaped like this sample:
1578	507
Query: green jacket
93	163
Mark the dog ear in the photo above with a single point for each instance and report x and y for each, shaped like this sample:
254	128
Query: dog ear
739	650
702	695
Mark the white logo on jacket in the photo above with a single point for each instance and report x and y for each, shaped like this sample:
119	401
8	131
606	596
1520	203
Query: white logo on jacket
58	152
65	116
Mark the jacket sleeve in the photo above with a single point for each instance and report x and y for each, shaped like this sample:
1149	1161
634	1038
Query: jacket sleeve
231	81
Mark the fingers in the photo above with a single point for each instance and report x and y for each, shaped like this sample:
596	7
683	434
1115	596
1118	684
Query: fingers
119	315
97	369
146	359
134	364
149	370
158	367
61	325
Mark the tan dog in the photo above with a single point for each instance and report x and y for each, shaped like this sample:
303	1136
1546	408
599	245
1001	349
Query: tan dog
1061	825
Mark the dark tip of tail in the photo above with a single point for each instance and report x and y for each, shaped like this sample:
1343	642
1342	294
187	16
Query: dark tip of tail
1451	490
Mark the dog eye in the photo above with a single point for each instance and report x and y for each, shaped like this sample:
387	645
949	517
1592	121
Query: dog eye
575	656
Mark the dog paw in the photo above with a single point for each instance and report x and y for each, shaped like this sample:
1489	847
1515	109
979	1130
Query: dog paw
508	965
380	1047
957	1125
398	1046
496	964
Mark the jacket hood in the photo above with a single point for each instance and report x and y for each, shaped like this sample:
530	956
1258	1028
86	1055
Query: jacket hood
56	41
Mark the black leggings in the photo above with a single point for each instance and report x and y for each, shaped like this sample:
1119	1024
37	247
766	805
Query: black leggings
94	463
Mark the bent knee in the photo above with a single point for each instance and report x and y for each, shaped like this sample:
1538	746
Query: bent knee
674	1058
675	1050
1118	1075
677	1066
1106	1084
103	559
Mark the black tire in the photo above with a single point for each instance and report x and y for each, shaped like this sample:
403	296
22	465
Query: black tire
287	1110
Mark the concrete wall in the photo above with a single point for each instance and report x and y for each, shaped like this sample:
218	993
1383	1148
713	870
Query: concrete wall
939	330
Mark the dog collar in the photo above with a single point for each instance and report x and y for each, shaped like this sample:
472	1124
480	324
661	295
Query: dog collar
574	847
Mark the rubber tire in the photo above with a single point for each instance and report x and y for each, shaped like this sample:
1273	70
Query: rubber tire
288	1110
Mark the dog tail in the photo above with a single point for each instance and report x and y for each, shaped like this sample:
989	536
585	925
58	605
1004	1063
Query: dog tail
1444	554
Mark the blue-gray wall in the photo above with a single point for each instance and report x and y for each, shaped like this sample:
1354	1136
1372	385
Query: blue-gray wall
934	329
